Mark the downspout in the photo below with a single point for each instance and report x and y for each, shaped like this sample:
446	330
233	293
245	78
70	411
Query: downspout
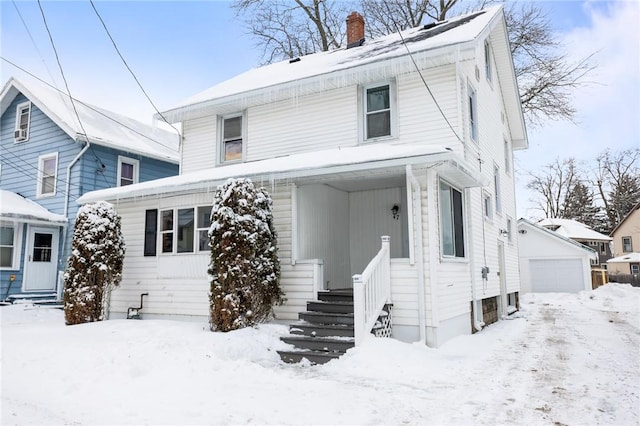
478	324
419	257
433	242
67	197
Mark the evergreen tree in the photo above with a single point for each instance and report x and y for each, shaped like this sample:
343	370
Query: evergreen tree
244	269
579	205
95	265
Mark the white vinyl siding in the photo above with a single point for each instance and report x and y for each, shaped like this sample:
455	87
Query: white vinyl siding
199	148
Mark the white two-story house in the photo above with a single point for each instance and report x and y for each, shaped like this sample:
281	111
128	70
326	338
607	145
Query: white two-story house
408	136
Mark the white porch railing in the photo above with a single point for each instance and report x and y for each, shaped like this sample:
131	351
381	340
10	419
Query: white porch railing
371	291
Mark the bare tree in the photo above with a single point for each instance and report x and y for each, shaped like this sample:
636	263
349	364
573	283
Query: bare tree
554	185
617	180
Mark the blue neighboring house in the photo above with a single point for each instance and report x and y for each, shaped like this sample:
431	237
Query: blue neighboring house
49	157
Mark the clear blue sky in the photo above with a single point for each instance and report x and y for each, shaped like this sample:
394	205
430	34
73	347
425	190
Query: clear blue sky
179	48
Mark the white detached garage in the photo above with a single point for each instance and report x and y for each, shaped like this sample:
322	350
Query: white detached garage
550	262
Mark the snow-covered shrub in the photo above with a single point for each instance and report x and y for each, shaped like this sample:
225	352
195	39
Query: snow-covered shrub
244	270
95	265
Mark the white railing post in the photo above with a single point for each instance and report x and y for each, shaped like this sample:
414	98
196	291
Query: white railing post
386	264
358	309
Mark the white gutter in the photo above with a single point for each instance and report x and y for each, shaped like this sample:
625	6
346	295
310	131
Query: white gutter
415	185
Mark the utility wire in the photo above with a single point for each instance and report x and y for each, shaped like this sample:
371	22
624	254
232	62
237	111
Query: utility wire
95	109
26	27
129	68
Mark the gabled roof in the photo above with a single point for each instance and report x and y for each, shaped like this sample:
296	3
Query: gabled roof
102	127
559	237
636	207
16	207
443	43
573	229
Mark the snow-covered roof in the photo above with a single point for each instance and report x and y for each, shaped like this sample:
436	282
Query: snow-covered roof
384	57
102	127
524	222
573	229
338	160
627	258
16	207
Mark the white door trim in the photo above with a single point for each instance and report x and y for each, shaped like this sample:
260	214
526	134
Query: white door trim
41	276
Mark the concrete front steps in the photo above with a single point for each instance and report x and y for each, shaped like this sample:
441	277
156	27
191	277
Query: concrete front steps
325	330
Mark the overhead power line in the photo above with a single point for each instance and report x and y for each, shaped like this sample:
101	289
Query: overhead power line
128	67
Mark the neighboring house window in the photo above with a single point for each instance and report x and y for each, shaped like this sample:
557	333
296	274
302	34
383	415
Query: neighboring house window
231	146
487	206
496	185
128	171
379	111
9	251
451	221
473	114
626	245
635	268
47	174
179	228
507	157
602	248
487	61
150	232
595	261
23	116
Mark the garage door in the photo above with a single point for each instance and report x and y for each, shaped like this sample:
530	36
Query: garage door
556	275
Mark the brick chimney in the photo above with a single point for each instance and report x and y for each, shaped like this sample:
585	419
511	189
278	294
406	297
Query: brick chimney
355	30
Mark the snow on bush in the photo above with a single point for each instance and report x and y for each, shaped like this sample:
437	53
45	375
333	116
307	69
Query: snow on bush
244	270
95	265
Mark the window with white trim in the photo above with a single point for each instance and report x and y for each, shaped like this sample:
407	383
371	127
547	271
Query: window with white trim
487	62
487	206
23	119
128	171
379	111
635	268
9	249
507	157
509	229
47	174
473	114
451	221
626	245
497	188
185	230
231	139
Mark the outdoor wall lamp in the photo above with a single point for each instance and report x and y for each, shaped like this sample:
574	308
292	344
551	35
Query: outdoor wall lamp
504	232
395	211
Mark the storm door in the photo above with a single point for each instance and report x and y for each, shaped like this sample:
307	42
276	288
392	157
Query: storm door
41	259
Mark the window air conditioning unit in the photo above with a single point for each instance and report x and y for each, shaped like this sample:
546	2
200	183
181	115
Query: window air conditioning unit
20	134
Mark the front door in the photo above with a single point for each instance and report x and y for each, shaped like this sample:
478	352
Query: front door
41	259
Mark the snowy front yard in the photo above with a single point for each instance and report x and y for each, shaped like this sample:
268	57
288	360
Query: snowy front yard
566	359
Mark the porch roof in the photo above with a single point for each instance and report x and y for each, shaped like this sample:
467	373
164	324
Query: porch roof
361	160
16	207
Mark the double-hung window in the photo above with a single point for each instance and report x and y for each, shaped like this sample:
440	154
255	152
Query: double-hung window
47	174
231	146
626	245
451	221
507	157
487	61
9	251
497	188
185	230
379	111
487	203
473	114
128	171
23	116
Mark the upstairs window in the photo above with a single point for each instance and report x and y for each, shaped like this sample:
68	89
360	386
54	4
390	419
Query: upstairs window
473	114
451	221
487	61
379	111
507	157
128	170
626	245
498	190
47	174
23	118
231	141
487	203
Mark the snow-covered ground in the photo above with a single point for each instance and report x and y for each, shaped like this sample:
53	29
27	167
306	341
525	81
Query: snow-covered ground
565	359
